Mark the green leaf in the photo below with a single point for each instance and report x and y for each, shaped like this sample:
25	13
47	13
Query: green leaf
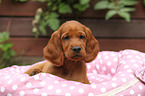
128	2
6	55
82	2
111	5
110	13
12	53
53	23
42	29
40	0
127	9
53	15
124	15
81	7
6	46
101	5
64	8
4	36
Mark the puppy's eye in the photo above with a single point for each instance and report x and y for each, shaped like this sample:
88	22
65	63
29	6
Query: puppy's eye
66	38
82	37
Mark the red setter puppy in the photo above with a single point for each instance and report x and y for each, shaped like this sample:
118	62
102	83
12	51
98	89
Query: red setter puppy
67	52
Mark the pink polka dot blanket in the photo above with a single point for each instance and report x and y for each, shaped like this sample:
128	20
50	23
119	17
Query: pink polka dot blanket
110	74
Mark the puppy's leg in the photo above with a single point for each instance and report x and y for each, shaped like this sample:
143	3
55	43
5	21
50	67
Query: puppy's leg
46	67
35	69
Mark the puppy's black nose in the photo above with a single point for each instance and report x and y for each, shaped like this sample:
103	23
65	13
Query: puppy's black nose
76	49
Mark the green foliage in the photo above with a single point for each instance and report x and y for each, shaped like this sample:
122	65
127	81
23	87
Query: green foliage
143	2
50	19
116	7
42	19
6	53
21	0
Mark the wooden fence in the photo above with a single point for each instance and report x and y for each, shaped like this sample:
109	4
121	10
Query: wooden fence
114	34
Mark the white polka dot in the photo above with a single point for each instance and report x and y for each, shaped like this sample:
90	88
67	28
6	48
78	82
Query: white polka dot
122	74
108	74
131	92
90	94
9	94
132	60
44	74
113	54
50	87
67	94
132	76
44	94
22	93
2	89
56	82
58	91
12	69
14	87
113	70
36	77
103	90
93	86
7	77
97	66
140	87
124	79
104	68
114	84
101	61
139	95
89	66
36	90
99	56
109	63
10	81
64	85
92	77
115	59
129	70
129	56
77	83
28	85
106	57
42	83
114	79
81	90
138	57
95	71
104	83
72	87
23	78
126	66
135	65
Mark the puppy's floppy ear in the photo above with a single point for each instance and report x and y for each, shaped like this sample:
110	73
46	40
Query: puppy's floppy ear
92	46
53	52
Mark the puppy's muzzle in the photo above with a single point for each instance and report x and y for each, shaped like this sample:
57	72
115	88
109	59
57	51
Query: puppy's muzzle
76	49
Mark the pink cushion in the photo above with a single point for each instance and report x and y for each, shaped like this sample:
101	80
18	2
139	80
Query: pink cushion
112	73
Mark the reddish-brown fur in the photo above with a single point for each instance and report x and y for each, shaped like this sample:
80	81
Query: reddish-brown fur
61	59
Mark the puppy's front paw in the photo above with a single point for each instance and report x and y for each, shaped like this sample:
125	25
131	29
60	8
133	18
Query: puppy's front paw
36	71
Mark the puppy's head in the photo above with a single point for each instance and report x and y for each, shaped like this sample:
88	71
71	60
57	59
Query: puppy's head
73	41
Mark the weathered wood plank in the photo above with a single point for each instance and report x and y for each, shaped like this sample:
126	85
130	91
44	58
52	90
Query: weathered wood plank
10	8
100	28
34	47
